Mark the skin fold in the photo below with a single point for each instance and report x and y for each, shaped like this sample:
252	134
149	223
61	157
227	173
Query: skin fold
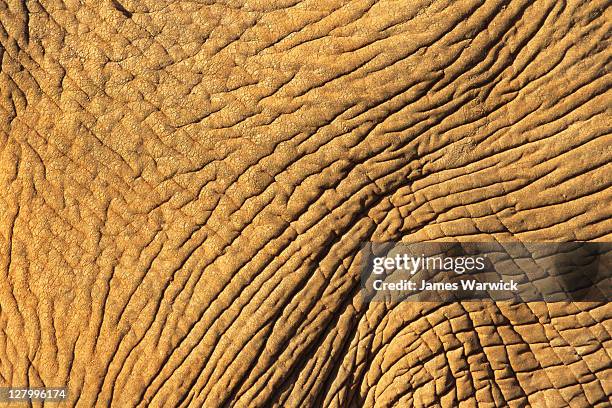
185	186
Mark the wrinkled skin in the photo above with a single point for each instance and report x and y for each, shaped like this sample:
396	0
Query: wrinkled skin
184	187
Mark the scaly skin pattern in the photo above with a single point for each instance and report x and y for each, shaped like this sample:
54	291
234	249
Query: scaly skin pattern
184	187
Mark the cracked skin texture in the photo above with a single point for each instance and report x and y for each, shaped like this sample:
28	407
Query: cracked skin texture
184	186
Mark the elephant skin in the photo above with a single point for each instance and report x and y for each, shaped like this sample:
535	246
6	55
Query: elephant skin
185	185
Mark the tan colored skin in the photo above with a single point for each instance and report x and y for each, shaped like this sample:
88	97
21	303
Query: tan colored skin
184	186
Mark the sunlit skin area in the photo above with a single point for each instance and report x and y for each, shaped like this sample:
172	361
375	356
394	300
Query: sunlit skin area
187	189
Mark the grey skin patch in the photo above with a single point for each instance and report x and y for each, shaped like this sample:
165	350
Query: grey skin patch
584	271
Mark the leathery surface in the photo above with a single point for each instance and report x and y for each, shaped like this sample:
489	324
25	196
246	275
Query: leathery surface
184	186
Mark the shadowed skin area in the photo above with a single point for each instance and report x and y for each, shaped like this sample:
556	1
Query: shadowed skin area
184	186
